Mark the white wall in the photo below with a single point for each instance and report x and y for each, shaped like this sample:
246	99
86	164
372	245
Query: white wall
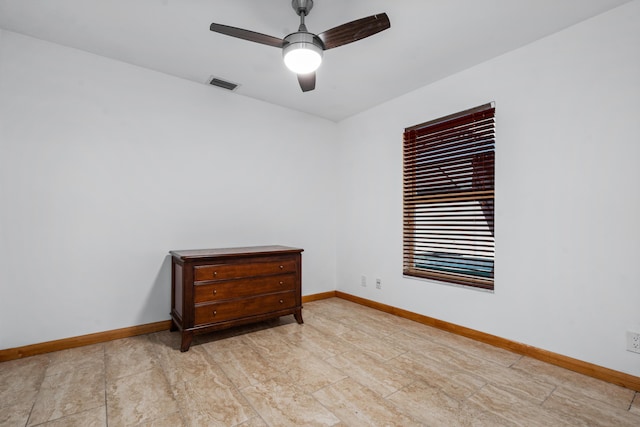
105	167
567	198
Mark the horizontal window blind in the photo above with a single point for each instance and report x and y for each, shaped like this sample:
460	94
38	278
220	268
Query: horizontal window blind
448	196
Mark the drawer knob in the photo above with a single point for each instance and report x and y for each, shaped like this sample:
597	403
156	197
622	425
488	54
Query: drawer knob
215	312
215	291
215	273
281	301
281	282
281	267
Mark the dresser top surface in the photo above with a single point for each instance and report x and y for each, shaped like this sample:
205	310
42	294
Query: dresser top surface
193	254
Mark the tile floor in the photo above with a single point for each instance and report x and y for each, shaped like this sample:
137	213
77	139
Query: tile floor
348	365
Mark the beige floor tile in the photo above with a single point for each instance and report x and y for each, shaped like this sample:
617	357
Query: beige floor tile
448	378
326	324
389	323
212	400
96	417
587	411
432	407
187	366
412	338
334	308
269	343
521	412
280	403
437	351
241	362
635	405
382	379
171	420
15	415
303	368
129	356
378	347
481	350
139	398
166	340
611	394
312	339
364	319
380	316
69	393
348	365
225	350
517	382
20	379
356	405
375	327
253	422
90	357
308	372
419	333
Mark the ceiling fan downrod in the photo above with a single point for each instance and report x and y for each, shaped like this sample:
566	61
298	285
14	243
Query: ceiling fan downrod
302	7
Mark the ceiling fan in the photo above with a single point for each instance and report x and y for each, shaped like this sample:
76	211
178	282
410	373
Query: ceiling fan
302	51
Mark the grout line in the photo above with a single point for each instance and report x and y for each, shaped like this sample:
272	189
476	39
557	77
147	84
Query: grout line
35	399
104	362
161	364
633	399
210	359
515	362
547	398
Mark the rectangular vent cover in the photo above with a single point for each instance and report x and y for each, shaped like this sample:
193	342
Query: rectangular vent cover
222	83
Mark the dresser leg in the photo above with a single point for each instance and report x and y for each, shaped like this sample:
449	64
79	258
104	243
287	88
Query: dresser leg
298	316
186	341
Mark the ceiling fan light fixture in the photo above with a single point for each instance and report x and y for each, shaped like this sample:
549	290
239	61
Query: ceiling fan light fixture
302	52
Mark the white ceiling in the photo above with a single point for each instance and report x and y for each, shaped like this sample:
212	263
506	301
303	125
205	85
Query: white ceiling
428	40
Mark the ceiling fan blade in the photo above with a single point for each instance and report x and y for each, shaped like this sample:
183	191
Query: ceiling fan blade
307	81
354	30
252	36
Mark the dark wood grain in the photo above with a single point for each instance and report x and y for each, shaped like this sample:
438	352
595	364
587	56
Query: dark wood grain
354	30
244	307
228	271
307	81
222	288
246	35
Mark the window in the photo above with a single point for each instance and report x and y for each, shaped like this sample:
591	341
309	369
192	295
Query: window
449	198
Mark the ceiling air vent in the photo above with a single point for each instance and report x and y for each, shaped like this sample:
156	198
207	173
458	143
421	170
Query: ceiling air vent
222	83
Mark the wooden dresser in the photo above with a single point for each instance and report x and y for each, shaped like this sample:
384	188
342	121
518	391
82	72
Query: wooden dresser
213	289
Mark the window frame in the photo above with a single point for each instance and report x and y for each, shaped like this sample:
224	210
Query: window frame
449	216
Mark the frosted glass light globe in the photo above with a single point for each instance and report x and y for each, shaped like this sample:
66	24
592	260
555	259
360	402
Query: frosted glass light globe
302	60
302	54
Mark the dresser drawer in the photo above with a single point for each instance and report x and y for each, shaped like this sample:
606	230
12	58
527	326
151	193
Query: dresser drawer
234	309
241	288
236	271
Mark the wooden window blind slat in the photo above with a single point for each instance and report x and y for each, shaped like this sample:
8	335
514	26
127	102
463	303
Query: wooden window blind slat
449	179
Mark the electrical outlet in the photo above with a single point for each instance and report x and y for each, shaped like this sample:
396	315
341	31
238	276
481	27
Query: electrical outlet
633	341
363	281
378	284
